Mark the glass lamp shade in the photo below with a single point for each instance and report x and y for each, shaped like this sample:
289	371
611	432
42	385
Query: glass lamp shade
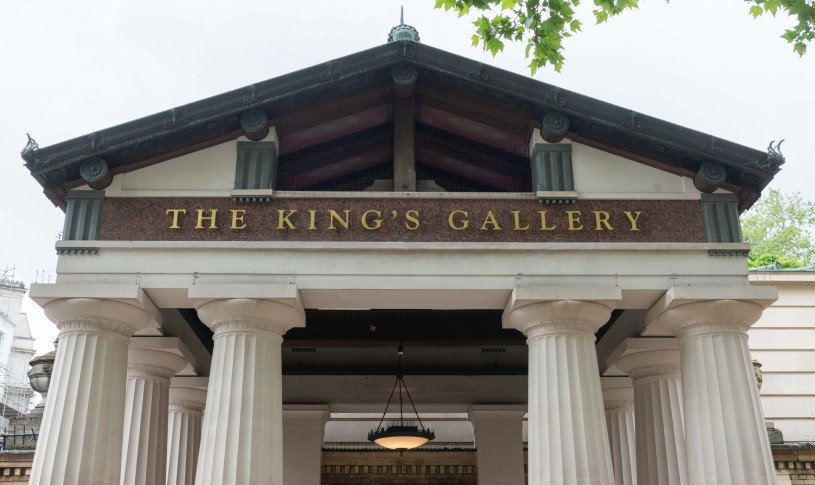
401	437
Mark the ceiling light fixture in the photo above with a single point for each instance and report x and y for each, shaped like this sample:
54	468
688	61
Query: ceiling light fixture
400	434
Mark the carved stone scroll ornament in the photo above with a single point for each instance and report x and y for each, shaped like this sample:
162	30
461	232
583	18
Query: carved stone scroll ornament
404	80
254	124
96	173
554	126
709	177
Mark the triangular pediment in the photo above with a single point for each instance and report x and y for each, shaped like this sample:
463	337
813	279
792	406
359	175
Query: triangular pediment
338	126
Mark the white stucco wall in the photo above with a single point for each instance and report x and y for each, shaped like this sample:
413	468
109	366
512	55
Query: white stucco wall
211	173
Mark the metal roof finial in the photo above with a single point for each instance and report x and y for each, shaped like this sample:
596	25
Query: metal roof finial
402	31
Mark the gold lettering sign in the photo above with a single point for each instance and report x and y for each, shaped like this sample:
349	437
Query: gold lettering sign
372	219
401	219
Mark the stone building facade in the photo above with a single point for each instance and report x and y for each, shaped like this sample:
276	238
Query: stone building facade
566	276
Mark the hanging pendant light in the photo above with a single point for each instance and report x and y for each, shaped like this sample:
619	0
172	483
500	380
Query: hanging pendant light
401	434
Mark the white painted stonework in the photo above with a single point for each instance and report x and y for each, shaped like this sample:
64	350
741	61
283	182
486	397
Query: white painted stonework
500	454
303	433
726	439
81	435
568	438
144	449
661	456
782	340
242	438
185	413
618	401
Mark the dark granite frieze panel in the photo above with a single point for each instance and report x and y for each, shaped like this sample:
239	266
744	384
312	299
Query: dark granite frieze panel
405	220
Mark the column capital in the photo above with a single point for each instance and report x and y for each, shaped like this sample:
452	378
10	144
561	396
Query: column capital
121	309
727	308
275	308
187	399
651	363
297	416
153	364
486	412
581	308
618	393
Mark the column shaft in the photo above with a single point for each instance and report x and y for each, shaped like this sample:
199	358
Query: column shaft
568	440
81	434
726	438
618	400
242	429
303	431
185	414
661	456
499	443
144	449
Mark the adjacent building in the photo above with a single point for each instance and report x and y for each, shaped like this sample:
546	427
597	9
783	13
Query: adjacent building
16	349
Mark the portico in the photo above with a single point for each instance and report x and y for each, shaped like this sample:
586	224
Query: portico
230	303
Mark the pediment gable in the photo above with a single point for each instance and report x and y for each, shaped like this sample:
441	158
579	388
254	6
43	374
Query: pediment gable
339	126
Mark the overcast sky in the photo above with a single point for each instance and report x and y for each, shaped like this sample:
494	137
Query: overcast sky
69	68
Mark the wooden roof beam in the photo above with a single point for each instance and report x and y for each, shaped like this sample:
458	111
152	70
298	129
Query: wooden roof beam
470	171
318	175
473	130
404	128
333	129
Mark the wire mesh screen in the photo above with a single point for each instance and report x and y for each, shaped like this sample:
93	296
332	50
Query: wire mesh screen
444	162
352	163
459	164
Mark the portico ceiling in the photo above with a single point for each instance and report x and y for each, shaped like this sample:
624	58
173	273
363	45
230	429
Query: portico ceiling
452	357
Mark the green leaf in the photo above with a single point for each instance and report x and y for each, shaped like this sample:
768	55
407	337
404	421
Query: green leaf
508	4
476	39
755	11
494	46
800	48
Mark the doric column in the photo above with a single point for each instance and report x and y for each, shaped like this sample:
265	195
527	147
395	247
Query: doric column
499	443
568	441
725	436
658	410
242	434
144	448
81	435
186	411
303	432
618	401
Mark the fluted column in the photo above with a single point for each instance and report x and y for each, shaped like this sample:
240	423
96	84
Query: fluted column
242	436
81	435
618	401
725	433
568	441
499	443
303	433
658	410
186	411
144	448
